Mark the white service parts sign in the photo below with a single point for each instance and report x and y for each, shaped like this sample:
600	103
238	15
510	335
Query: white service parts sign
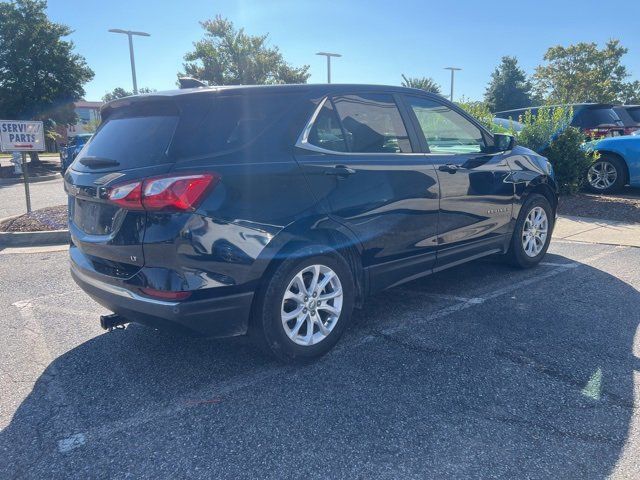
21	136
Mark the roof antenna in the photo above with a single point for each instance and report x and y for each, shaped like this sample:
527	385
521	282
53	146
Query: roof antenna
190	82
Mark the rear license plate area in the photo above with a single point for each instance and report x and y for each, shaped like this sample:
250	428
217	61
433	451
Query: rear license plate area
93	218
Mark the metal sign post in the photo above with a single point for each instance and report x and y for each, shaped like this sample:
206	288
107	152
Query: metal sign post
22	136
25	175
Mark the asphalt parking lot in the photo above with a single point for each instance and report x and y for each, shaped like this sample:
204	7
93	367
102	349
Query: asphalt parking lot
482	371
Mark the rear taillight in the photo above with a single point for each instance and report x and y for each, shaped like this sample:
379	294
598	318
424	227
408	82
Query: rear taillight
179	193
596	132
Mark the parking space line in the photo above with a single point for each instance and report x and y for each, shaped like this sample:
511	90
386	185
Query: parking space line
502	291
443	296
22	303
150	414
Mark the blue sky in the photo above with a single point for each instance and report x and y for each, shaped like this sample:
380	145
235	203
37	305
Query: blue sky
379	40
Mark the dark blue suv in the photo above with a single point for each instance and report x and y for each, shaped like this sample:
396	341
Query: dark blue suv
274	210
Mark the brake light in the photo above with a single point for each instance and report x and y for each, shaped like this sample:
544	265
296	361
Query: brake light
166	193
127	195
596	132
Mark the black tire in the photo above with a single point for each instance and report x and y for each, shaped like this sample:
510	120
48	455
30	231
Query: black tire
516	254
620	171
267	328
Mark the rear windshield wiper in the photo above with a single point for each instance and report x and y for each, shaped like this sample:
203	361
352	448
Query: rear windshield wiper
99	162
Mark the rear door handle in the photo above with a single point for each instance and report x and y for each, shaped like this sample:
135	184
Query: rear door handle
449	168
340	171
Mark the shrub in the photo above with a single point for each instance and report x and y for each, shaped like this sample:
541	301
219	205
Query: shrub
550	134
481	112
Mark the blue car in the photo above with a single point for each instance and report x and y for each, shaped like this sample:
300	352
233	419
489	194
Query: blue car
618	165
69	152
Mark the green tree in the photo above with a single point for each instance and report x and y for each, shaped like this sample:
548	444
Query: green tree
229	56
583	73
632	93
509	87
120	92
427	84
40	75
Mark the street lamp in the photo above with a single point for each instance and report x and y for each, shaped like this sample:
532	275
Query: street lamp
130	34
328	55
453	70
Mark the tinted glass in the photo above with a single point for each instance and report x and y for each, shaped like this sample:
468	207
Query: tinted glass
372	124
135	136
634	113
515	114
446	131
219	124
594	117
508	124
326	132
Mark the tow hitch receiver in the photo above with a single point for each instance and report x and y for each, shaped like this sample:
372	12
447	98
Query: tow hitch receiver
112	321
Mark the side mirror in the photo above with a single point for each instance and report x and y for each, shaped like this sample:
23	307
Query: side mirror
503	142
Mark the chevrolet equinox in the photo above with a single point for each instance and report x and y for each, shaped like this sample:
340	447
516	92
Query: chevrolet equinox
274	210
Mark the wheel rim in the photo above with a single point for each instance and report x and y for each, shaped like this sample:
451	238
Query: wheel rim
602	175
535	231
311	305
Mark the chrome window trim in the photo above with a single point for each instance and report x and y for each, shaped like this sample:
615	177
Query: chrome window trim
303	139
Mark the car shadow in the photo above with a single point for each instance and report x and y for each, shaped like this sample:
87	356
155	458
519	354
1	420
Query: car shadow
535	383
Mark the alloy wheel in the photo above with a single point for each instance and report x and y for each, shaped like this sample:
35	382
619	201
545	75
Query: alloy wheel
602	175
311	305
535	231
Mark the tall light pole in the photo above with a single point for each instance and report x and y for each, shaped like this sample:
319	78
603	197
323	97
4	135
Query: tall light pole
130	34
453	70
329	55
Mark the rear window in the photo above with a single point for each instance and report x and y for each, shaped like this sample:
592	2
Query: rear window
224	123
634	113
594	117
134	136
624	115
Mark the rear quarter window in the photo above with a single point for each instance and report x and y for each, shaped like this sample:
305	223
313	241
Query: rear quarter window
594	117
224	123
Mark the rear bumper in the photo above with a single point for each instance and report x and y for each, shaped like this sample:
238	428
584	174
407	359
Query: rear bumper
223	316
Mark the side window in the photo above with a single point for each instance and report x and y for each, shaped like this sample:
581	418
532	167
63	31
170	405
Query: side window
372	124
326	132
445	130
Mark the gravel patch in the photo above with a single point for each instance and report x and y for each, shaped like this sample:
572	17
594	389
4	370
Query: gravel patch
45	219
622	207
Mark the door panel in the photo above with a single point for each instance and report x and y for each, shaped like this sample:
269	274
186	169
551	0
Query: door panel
476	193
387	196
390	204
475	205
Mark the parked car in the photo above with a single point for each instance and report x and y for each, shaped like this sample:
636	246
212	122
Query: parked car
594	119
618	164
69	152
626	114
273	210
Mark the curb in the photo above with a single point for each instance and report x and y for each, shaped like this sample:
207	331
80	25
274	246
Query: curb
16	181
33	239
